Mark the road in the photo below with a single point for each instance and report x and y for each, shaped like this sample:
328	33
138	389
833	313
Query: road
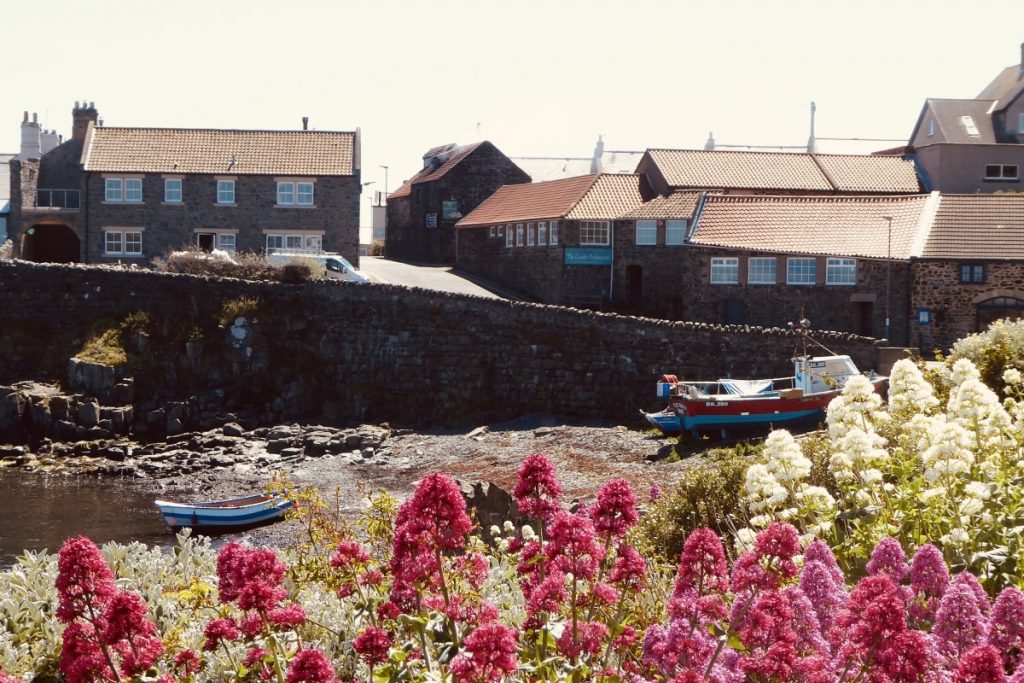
437	278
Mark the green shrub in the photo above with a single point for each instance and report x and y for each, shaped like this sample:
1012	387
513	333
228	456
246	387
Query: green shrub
105	349
993	351
242	307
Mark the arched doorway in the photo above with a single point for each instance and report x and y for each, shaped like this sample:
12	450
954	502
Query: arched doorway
991	310
48	243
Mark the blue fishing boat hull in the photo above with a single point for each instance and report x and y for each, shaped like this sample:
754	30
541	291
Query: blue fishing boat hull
222	515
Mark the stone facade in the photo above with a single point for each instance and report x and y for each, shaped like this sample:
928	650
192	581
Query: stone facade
388	353
958	309
469	182
169	226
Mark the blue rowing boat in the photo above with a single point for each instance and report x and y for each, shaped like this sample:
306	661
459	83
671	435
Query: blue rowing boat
224	515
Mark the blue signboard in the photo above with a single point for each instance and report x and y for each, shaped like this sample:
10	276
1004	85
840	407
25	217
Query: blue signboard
924	316
588	256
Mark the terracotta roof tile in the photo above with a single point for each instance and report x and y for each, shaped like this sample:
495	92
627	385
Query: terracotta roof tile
403	191
840	226
449	157
874	173
189	150
688	168
977	226
589	197
675	205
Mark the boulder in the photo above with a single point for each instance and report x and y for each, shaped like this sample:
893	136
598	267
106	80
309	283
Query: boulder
88	413
232	429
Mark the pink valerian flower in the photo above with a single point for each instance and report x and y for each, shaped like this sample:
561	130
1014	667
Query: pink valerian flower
702	565
84	581
81	658
603	594
373	645
589	639
697	610
574	548
615	511
929	577
769	638
626	639
980	596
489	655
537	491
547	597
907	656
982	664
805	623
186	663
250	576
413	561
826	596
866	628
1006	630
230	560
251	625
771	560
310	666
818	551
474	567
139	653
630	570
678	647
349	554
889	558
654	495
4	678
959	624
256	660
438	509
131	633
219	630
287	617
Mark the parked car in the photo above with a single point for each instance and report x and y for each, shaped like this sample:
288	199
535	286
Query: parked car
336	266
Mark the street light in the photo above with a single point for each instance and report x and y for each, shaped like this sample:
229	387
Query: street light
888	271
385	180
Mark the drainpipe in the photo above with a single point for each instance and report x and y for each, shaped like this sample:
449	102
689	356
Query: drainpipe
83	207
910	313
611	266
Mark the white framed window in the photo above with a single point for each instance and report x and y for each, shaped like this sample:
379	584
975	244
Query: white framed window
530	234
1020	122
225	191
841	271
725	271
172	190
492	231
801	271
293	241
112	190
501	231
519	234
646	232
226	242
542	234
554	233
761	270
595	233
509	237
274	243
122	243
313	242
133	190
1002	172
675	232
290	193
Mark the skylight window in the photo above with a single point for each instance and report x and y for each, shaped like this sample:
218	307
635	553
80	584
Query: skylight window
968	124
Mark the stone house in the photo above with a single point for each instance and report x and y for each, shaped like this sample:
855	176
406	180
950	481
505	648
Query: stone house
422	213
971	270
130	194
974	145
552	241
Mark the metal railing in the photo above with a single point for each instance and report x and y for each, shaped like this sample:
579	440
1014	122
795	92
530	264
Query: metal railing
69	200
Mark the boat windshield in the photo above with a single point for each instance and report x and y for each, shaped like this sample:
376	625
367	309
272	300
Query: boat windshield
746	387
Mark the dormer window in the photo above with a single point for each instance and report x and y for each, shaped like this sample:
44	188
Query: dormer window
931	127
1002	172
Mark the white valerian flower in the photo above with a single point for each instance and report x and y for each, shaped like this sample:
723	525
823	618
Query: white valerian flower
495	531
1012	376
957	537
962	371
931	494
528	533
909	392
785	460
971	506
762	488
856	407
744	540
978	489
509	526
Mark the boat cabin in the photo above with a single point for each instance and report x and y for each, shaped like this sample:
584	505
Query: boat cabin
822	373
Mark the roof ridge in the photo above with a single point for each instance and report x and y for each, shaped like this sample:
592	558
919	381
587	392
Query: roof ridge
222	130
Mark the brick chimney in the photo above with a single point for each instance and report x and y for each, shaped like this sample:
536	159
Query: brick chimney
81	117
30	138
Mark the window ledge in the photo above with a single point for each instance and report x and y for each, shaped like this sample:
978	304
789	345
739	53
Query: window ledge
172	203
295	206
120	255
224	204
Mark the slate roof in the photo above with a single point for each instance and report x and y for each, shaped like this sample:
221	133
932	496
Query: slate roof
949	119
784	171
977	226
1004	88
838	226
191	150
675	205
588	197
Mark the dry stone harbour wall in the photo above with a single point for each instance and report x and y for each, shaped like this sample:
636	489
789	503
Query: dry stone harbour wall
378	352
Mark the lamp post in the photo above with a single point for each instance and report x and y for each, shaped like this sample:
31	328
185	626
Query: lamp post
888	271
385	180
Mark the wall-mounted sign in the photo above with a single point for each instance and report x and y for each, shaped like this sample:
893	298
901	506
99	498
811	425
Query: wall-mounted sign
588	256
924	316
450	211
431	220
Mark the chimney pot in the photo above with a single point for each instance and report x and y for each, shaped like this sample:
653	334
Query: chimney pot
305	123
76	104
92	105
35	117
25	120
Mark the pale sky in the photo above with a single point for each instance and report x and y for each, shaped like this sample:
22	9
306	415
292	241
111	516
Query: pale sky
535	78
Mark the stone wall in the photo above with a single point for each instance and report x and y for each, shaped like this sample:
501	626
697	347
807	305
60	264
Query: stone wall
374	352
958	309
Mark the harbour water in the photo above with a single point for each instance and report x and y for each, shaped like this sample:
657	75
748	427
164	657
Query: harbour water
39	511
